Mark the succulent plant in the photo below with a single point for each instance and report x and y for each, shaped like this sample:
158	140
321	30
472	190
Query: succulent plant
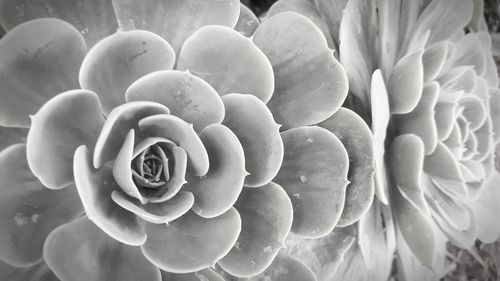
422	76
154	152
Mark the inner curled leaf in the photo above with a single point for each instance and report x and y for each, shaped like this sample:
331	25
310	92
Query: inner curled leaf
151	169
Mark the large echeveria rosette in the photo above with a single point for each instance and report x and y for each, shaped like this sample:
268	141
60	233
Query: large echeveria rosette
422	75
178	162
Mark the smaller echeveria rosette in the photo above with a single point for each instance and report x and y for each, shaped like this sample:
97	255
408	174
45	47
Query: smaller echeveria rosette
173	167
422	75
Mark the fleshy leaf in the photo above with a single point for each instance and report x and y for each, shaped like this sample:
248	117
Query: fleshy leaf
486	211
266	217
191	243
183	134
443	18
31	68
178	179
377	241
118	60
80	251
358	142
262	144
122	170
118	124
380	120
306	8
228	61
30	211
285	268
411	269
311	84
158	213
176	20
94	19
495	112
420	121
187	96
206	274
95	188
405	84
406	163
323	255
468	51
39	272
433	60
314	174
64	123
416	227
443	169
247	21
356	36
218	190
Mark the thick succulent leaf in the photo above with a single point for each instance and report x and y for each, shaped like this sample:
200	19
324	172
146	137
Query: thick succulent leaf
380	120
406	163
377	241
158	213
306	8
323	255
358	142
228	61
314	174
444	116
416	227
187	96
31	68
191	242
95	188
485	143
178	179
495	112
30	211
356	34
331	12
118	60
474	111
122	169
12	135
405	84
39	272
94	19
254	125
468	51
266	218
80	251
486	211
420	121
433	60
64	123
206	274
443	19
284	268
183	134
457	79
410	268
443	169
118	123
247	21
463	238
218	190
176	20
311	84
447	207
